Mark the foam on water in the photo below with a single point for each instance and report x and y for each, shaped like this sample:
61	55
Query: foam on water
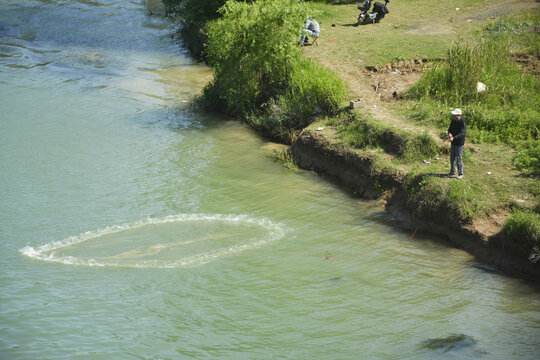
50	251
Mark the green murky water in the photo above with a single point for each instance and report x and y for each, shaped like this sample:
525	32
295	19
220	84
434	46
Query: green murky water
131	227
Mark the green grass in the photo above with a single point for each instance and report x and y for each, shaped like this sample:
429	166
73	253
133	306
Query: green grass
413	28
523	232
519	28
366	133
508	111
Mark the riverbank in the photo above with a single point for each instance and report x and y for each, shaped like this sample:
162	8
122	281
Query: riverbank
473	214
362	173
389	146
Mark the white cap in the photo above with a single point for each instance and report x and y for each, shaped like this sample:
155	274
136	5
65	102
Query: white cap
456	112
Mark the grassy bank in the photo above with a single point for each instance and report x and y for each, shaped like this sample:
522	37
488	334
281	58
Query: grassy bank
262	77
481	44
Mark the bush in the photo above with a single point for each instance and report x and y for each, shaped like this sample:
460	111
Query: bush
252	49
523	233
312	90
259	72
192	16
528	157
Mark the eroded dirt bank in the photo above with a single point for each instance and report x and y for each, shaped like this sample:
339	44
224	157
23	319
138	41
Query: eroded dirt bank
359	173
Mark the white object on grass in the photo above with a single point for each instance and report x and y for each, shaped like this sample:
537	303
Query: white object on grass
480	87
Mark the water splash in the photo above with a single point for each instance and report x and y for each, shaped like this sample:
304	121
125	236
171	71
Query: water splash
143	253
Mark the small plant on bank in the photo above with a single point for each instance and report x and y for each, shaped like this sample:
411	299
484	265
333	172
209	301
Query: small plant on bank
285	158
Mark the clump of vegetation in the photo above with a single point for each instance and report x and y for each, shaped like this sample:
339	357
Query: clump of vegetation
528	157
435	197
285	158
192	16
406	145
523	233
521	29
259	73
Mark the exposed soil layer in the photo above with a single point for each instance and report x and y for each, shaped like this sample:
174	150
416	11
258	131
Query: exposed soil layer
359	173
391	80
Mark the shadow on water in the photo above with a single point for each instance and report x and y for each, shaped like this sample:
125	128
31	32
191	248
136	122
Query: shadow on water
454	343
178	118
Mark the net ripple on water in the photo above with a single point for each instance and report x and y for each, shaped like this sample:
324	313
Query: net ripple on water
194	239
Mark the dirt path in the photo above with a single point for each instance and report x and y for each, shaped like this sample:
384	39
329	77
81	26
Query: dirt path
375	88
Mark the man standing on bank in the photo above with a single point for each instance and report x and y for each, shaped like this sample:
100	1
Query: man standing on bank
456	136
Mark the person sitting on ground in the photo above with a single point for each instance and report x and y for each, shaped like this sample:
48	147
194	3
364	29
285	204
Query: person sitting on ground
456	136
365	7
311	27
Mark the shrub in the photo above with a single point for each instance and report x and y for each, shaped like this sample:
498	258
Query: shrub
528	157
523	233
420	146
259	72
252	49
192	16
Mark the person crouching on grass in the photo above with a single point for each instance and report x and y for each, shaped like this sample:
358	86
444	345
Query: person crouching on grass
456	136
311	28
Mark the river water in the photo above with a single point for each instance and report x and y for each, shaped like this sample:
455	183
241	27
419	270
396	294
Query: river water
133	228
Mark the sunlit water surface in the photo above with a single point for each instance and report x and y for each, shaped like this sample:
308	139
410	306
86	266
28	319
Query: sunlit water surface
132	227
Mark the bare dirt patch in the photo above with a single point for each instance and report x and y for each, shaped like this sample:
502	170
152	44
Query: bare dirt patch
431	29
391	80
374	87
487	227
529	63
